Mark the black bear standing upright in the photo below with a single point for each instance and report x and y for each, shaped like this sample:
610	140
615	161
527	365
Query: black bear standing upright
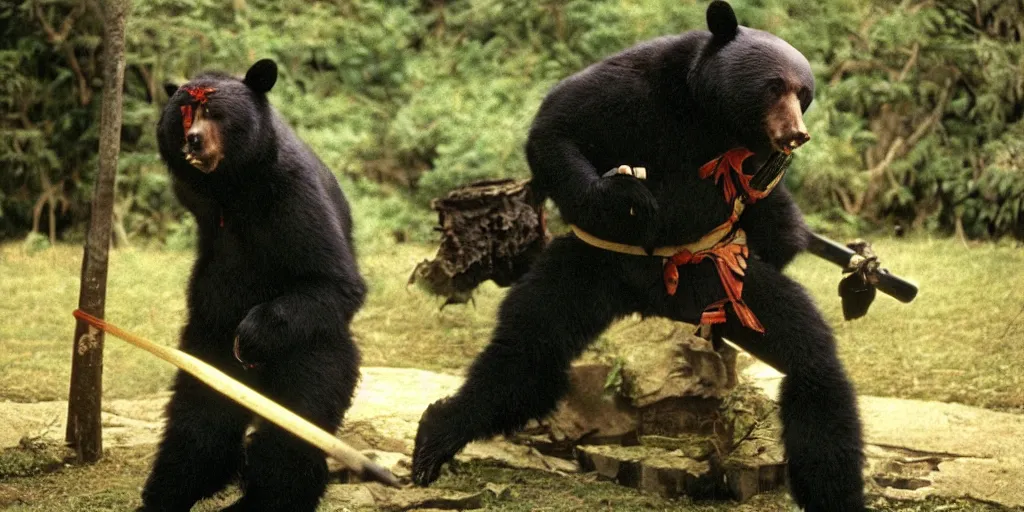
273	290
683	122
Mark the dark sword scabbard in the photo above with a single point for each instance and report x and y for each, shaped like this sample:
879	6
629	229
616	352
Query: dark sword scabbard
829	250
889	284
776	165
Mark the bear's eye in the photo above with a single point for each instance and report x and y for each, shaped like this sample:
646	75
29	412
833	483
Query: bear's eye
777	86
805	96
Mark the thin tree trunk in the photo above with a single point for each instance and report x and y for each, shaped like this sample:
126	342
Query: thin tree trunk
84	431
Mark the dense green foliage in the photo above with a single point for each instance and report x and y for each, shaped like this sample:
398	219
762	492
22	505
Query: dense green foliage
918	118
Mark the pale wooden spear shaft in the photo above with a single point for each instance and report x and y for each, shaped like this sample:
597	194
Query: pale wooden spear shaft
254	401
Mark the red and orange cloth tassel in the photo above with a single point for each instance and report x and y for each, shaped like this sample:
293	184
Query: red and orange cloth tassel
728	169
730	253
725	245
198	95
730	258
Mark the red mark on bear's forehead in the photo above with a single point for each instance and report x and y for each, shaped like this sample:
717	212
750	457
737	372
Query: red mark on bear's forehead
198	95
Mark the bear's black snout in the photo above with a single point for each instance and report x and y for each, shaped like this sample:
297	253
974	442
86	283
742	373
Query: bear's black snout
195	142
794	139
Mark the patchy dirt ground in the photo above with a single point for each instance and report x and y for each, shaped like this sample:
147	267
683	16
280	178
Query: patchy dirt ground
924	457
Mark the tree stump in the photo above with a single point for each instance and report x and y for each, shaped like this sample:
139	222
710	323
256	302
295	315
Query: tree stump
489	230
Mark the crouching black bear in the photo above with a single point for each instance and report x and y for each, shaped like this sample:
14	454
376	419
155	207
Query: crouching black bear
677	231
273	289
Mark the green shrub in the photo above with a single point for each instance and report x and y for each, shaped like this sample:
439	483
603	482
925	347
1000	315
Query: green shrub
917	118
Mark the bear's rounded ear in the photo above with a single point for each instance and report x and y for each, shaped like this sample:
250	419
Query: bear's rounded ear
722	20
170	88
262	76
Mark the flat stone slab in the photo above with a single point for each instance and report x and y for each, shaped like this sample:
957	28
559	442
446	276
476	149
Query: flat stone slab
671	474
388	404
587	415
917	448
942	428
386	412
387	499
738	459
973	453
125	422
382	421
415	498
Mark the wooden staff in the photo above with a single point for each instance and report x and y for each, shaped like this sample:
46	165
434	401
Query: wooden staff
256	402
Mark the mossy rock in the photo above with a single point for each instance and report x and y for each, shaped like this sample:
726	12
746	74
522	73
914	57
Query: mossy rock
33	457
693	446
657	358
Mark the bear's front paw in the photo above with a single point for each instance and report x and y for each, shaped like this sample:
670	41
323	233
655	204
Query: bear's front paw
259	336
438	439
622	209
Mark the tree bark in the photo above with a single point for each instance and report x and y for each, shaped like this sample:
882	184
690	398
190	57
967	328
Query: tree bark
84	431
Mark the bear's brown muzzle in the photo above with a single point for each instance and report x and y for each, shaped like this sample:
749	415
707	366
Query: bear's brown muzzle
202	143
785	124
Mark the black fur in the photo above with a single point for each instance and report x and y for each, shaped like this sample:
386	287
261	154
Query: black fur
170	88
722	20
281	275
670	105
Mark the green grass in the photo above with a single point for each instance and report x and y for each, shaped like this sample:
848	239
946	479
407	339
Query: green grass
145	295
38	292
961	340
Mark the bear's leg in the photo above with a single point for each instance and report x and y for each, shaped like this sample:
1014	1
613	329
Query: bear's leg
821	424
201	448
283	472
558	308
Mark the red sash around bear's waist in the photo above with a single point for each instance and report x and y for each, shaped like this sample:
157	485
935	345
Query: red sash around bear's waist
725	245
